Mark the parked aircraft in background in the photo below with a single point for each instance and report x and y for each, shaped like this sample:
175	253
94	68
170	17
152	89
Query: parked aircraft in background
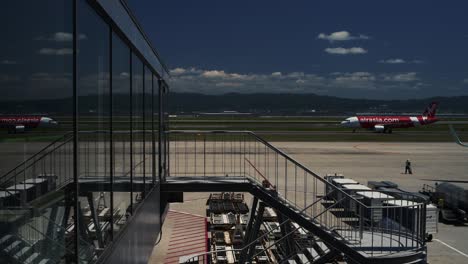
387	123
20	124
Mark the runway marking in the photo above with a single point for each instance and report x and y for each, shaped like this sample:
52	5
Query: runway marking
449	246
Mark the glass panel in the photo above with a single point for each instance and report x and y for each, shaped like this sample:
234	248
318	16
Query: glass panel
149	162
138	127
93	130
36	114
156	125
121	104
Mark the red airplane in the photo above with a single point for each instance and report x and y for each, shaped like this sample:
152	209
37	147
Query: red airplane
19	124
387	123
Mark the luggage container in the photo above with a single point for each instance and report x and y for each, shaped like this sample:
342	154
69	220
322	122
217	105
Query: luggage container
374	198
338	182
376	185
329	178
352	189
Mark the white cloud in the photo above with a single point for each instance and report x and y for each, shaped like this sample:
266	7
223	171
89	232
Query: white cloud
465	80
177	71
400	61
355	80
223	75
62	37
58	52
401	77
276	74
340	36
336	83
228	84
356	76
8	62
345	51
393	61
214	74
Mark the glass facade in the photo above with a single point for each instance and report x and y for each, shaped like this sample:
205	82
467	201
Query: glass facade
80	135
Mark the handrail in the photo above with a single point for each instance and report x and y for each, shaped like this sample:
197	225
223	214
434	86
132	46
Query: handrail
46	150
270	231
280	152
36	154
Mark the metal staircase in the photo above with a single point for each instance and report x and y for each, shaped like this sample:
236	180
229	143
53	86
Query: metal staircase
344	223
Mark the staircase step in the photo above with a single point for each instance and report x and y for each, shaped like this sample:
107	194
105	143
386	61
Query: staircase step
313	253
5	239
13	247
32	259
322	246
302	258
23	253
45	261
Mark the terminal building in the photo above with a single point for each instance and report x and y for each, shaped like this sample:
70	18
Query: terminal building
89	177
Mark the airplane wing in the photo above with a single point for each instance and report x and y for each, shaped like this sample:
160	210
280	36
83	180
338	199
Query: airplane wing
455	136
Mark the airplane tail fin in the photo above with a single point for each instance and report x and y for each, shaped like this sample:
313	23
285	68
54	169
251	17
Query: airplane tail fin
431	109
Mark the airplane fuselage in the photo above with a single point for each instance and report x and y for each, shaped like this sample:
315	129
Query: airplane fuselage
21	123
384	123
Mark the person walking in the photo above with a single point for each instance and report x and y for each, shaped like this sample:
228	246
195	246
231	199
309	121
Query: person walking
408	167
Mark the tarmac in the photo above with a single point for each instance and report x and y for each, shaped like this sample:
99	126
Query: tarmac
361	161
366	161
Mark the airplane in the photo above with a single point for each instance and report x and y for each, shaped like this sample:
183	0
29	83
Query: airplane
385	124
19	124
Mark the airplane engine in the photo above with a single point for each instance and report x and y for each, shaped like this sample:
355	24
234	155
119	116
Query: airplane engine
379	128
19	129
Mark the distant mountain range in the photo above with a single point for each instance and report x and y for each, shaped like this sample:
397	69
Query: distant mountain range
306	103
253	103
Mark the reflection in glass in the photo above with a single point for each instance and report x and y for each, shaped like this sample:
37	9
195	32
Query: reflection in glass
93	130
121	109
35	114
138	126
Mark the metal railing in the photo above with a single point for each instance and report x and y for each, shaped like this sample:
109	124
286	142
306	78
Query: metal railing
207	257
41	233
372	228
54	159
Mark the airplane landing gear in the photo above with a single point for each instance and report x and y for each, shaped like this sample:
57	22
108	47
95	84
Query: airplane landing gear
354	130
390	131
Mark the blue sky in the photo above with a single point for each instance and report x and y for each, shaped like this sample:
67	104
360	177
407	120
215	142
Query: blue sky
356	49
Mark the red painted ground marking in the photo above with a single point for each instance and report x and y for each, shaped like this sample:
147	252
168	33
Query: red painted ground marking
187	224
179	212
182	233
199	225
187	230
180	238
206	236
183	217
186	252
176	258
187	241
188	236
